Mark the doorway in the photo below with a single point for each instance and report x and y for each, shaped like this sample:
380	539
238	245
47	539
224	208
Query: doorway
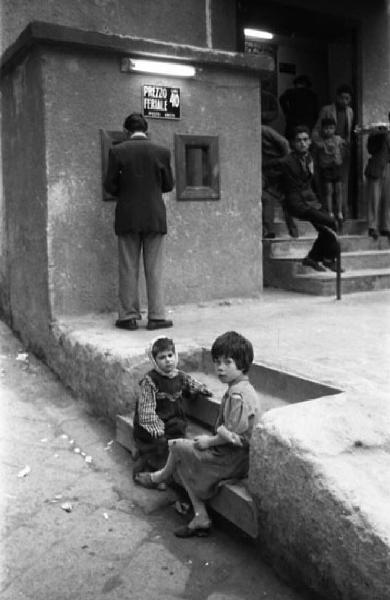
321	46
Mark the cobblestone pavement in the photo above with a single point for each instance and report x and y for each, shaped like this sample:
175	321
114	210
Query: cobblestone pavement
73	525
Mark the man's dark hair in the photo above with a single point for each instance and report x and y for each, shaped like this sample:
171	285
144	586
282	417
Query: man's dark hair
344	89
135	122
300	129
326	121
233	345
161	345
303	80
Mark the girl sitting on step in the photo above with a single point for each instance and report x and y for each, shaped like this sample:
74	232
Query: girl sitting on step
202	464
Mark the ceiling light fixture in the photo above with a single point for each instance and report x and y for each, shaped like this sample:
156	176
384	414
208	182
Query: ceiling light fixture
161	68
257	34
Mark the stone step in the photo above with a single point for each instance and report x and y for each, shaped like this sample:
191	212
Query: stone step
298	247
324	284
366	259
350	227
233	501
351	261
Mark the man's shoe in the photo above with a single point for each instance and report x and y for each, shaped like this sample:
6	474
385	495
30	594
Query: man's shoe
385	233
373	233
129	324
331	265
293	232
313	264
269	236
159	324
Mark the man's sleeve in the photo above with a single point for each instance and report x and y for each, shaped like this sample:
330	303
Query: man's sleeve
111	181
167	181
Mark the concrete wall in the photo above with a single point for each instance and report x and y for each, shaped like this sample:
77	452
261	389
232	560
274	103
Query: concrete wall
24	264
213	247
176	21
319	473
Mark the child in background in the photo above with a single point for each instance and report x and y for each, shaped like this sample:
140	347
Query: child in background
329	151
159	414
201	464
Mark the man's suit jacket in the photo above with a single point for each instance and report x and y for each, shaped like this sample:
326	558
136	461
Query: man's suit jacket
330	112
138	173
297	183
378	145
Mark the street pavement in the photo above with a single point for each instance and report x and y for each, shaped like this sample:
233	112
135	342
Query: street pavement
74	526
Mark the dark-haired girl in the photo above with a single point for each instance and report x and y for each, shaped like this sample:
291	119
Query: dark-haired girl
201	464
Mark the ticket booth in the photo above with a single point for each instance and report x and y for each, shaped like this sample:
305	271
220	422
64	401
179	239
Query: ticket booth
79	86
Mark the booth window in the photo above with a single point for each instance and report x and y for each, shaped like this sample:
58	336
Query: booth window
197	167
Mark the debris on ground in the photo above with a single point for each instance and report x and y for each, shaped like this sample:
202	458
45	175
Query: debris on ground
22	357
67	507
88	459
24	472
183	508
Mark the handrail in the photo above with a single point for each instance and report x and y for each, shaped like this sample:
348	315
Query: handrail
338	269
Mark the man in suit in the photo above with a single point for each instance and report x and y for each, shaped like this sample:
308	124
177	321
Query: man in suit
377	173
302	202
299	105
138	173
341	112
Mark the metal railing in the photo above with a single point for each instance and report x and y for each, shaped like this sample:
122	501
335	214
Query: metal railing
338	270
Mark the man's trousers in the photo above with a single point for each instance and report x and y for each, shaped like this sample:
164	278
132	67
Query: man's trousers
378	192
129	253
325	245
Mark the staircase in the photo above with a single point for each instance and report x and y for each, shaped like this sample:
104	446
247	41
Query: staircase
366	262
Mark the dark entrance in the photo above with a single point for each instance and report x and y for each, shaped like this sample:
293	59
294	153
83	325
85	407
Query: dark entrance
309	42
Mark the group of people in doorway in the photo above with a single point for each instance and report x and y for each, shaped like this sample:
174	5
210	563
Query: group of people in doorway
308	170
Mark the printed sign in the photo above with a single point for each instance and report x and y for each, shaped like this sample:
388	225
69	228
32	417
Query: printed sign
160	102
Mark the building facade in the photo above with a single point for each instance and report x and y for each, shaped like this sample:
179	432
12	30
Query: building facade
67	86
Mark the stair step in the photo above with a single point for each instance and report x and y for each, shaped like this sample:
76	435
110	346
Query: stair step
323	283
298	247
351	261
233	500
350	227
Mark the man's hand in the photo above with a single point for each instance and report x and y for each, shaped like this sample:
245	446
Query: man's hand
202	442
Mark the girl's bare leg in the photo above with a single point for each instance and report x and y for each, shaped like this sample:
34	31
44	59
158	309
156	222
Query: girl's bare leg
201	517
329	197
166	472
339	199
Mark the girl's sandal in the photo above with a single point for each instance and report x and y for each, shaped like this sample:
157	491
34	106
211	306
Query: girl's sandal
146	481
186	532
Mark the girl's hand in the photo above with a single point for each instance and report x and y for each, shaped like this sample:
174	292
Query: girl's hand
202	442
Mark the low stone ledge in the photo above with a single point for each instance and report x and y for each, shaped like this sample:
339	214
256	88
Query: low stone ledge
106	378
320	477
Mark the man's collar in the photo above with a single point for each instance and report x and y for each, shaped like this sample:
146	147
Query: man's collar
138	134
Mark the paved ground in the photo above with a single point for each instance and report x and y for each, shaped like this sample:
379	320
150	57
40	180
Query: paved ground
117	541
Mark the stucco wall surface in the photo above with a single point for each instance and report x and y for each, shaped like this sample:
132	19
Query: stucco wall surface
213	247
24	177
320	474
176	21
